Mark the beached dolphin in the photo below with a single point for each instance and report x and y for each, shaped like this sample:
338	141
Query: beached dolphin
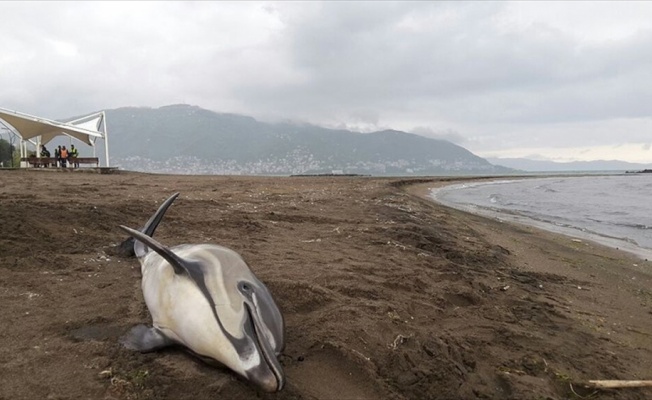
206	298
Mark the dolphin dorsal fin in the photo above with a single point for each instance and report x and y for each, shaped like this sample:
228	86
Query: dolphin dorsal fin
140	248
175	261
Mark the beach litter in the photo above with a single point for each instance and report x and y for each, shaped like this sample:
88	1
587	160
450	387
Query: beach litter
619	384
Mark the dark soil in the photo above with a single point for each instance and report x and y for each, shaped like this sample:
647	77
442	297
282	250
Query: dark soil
385	294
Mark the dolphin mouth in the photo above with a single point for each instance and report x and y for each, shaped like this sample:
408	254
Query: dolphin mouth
268	353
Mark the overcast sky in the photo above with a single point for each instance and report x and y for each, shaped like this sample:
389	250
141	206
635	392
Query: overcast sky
548	80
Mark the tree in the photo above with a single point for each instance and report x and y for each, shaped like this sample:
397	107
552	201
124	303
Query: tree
7	153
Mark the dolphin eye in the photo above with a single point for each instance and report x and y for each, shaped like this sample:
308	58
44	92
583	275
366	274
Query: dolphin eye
245	287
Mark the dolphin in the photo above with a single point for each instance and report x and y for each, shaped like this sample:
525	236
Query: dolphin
205	298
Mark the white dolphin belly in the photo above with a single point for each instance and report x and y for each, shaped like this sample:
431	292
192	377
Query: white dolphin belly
184	314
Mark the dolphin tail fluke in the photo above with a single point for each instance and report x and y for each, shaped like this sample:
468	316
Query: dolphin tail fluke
131	247
140	248
153	222
175	261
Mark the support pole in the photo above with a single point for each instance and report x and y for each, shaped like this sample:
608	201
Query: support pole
106	139
23	164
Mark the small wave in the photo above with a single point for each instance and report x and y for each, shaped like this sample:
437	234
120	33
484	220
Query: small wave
605	235
635	226
545	188
619	213
501	201
620	224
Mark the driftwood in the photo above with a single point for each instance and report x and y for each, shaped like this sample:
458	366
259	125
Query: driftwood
619	384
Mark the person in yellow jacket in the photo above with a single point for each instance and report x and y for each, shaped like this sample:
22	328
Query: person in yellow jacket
72	154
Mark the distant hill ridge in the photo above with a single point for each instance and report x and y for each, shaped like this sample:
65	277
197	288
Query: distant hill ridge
189	139
526	164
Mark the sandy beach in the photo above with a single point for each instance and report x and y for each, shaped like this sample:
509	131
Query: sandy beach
385	294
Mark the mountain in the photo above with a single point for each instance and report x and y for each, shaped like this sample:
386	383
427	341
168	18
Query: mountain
189	139
551	166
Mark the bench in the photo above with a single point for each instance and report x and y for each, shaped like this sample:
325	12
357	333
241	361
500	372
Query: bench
84	160
52	161
40	162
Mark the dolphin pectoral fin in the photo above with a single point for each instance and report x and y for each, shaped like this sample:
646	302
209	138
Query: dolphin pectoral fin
145	339
175	261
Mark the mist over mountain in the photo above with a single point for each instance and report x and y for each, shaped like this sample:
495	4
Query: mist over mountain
192	140
551	166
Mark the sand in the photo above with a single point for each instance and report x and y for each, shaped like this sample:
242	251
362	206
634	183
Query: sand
385	294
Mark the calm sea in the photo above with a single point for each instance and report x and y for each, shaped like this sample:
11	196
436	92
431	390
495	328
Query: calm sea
615	210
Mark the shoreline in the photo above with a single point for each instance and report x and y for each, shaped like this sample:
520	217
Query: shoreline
642	253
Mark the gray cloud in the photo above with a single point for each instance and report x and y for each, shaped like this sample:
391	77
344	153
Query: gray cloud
486	75
446	134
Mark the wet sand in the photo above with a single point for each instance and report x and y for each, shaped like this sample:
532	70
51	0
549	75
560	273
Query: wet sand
385	293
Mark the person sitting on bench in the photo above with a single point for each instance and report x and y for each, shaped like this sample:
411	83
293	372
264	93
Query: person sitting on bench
57	155
45	153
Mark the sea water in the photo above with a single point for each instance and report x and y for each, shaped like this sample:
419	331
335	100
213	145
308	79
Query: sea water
615	210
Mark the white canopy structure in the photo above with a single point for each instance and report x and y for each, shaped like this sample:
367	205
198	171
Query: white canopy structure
86	129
